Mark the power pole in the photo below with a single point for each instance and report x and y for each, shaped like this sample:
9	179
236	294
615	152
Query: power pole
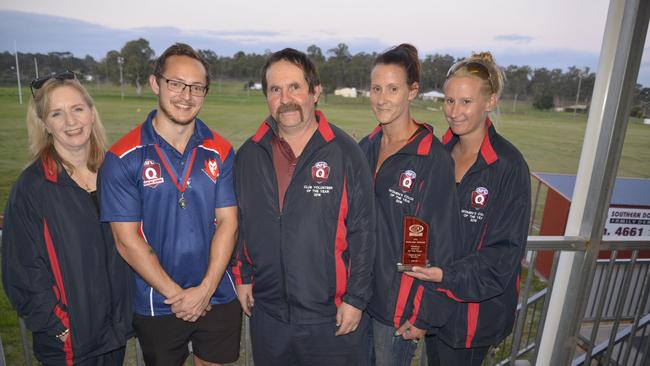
20	90
120	62
36	66
575	107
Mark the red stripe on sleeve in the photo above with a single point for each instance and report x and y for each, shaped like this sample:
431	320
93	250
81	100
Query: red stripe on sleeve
402	297
416	304
472	322
56	271
340	246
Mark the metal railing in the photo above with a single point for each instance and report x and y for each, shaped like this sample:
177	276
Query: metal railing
618	298
617	295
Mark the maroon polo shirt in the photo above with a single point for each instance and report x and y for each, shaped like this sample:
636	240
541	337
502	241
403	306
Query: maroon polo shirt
284	162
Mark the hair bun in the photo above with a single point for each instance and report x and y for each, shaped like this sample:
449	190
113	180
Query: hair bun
485	57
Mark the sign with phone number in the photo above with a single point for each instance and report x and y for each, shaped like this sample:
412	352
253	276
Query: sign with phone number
627	222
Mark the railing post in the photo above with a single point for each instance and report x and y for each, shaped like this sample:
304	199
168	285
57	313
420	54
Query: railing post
620	57
27	352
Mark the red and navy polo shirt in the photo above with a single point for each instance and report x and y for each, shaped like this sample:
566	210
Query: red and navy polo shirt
139	182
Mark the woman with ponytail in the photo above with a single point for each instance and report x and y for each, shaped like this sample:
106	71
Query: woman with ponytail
414	188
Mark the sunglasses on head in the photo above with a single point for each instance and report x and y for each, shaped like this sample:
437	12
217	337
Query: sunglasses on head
64	75
473	68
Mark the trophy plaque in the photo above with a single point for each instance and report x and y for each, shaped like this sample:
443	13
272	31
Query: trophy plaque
415	244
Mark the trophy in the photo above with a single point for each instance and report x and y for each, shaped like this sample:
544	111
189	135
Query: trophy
415	244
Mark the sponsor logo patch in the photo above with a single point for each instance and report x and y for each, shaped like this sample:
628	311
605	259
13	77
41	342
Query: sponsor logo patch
320	172
211	169
151	176
479	198
416	230
406	180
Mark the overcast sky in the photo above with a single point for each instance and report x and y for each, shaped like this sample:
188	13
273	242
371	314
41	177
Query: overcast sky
516	27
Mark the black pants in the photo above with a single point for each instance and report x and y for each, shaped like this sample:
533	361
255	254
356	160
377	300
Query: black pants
441	354
282	344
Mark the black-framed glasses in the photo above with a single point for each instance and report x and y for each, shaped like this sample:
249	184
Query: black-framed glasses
177	86
63	75
473	68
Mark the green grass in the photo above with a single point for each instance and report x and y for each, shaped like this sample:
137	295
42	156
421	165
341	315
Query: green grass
550	141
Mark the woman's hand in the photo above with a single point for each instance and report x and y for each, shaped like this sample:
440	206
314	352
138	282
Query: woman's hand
430	274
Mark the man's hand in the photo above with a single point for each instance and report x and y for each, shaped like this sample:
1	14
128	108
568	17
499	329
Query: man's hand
191	303
347	319
430	274
410	332
245	296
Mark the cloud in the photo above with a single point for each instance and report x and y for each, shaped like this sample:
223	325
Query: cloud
516	38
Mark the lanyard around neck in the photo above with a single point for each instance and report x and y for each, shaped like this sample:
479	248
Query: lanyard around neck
163	158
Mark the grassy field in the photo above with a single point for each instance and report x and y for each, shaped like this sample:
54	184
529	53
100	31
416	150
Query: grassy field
550	141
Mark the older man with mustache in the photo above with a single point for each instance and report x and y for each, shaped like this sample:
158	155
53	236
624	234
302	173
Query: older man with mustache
305	247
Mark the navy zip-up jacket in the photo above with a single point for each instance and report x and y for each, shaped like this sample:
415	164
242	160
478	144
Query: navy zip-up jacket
318	251
60	268
417	181
494	198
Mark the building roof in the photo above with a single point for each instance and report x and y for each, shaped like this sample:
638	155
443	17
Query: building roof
627	191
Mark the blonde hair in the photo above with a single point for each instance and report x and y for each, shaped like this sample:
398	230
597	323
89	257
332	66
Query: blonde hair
496	75
41	143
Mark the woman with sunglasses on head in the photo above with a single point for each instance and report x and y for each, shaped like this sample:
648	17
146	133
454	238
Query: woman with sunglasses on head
414	190
493	186
60	268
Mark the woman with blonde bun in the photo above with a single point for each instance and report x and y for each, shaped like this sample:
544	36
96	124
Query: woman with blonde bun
493	188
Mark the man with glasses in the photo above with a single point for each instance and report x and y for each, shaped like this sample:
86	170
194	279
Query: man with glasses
167	189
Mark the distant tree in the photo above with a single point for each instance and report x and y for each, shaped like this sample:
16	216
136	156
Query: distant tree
110	67
517	83
434	71
337	65
640	101
543	101
213	61
138	59
315	54
358	71
544	84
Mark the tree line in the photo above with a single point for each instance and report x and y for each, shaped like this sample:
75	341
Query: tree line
338	67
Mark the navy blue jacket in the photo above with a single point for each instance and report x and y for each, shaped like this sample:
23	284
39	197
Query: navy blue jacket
494	198
417	181
60	268
318	251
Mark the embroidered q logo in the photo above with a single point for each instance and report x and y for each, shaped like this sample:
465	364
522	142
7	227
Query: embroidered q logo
151	176
320	172
211	169
406	180
479	197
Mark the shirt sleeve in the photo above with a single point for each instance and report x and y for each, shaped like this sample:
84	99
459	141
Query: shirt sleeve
119	194
26	275
360	225
225	185
241	265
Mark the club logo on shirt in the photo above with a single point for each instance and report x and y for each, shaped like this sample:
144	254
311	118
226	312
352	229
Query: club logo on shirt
151	176
211	169
320	172
406	180
479	197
